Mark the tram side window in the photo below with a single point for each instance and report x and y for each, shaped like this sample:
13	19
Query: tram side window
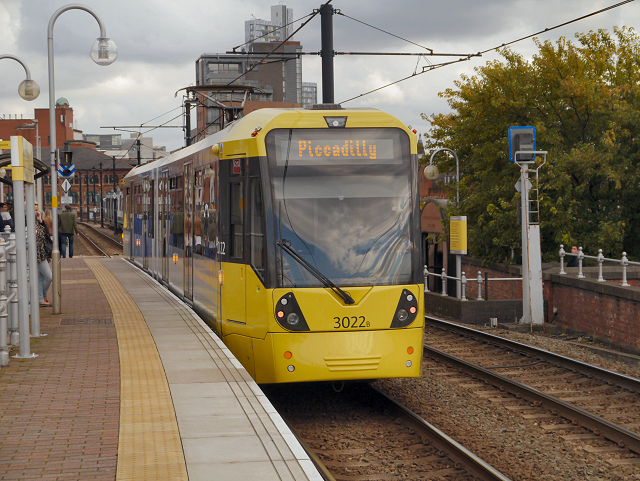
237	230
256	237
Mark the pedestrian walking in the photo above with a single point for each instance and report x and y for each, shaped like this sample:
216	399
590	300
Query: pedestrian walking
67	227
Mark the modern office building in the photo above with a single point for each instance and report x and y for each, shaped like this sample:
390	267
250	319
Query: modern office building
309	94
276	78
275	30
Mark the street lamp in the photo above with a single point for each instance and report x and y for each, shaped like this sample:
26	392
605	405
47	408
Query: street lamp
431	171
28	89
103	52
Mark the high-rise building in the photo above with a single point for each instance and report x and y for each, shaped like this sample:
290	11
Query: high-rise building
275	30
309	94
277	79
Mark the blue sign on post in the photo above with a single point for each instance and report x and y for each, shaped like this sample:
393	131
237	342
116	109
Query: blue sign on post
521	140
67	171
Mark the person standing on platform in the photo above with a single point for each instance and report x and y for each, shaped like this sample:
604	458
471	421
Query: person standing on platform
6	216
48	219
43	255
67	226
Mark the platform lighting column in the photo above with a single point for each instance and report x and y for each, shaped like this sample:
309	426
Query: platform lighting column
103	52
431	172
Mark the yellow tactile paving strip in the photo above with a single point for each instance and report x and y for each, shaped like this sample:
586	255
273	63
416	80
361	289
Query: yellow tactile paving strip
149	445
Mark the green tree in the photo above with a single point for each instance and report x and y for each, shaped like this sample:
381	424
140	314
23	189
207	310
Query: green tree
584	100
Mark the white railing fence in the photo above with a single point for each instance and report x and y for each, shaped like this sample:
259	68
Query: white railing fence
581	256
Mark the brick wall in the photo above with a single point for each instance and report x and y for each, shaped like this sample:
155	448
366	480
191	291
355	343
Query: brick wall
605	310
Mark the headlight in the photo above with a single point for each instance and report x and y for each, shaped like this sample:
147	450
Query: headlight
406	311
289	315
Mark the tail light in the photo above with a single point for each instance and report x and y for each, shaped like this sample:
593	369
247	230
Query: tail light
406	311
289	315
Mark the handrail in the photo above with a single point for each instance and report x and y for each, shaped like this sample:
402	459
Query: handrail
463	281
624	262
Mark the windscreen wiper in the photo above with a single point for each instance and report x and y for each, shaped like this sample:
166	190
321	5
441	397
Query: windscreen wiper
285	245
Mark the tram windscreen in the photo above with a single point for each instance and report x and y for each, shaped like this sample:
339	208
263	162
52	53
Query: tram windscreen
342	201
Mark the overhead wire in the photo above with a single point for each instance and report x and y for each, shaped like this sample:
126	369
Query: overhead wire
433	67
281	43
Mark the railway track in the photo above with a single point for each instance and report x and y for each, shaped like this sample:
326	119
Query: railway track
597	408
98	241
361	434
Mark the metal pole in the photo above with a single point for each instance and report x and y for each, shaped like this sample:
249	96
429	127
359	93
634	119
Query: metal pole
187	123
55	255
21	253
93	181
33	259
86	181
79	173
326	28
115	202
101	206
139	156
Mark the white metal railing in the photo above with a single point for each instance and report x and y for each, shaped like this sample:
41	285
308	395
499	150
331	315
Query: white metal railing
463	281
624	262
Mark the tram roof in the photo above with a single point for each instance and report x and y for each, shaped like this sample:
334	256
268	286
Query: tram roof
268	119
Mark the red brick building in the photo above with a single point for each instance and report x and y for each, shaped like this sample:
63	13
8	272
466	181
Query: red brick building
87	183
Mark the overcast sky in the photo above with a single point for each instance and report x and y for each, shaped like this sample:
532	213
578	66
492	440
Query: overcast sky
160	40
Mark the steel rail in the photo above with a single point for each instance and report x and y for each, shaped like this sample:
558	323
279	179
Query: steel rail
578	416
108	238
468	461
626	382
93	244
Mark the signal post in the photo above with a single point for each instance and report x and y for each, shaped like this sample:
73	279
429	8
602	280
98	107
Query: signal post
522	151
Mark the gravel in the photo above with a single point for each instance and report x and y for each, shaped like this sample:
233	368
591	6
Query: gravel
518	447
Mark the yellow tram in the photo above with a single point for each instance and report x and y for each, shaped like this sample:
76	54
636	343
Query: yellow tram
294	233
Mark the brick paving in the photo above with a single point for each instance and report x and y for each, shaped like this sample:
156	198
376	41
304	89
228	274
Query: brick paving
59	412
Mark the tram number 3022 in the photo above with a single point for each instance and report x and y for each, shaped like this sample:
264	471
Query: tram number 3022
350	322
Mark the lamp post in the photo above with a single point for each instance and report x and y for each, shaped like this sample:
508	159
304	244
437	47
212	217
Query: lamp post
28	89
103	52
431	172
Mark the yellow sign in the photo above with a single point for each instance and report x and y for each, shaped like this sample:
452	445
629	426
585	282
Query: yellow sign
5	144
21	160
458	236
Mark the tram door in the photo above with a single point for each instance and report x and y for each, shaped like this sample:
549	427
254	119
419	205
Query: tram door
146	187
188	230
128	216
163	204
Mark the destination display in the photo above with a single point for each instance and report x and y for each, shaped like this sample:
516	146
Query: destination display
312	147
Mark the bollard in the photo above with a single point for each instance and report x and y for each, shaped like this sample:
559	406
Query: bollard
580	260
480	286
444	282
562	253
463	281
624	263
600	262
425	273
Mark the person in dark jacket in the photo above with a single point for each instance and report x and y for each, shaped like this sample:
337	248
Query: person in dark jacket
67	227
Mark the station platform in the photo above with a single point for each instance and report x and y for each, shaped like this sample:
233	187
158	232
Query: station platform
129	383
